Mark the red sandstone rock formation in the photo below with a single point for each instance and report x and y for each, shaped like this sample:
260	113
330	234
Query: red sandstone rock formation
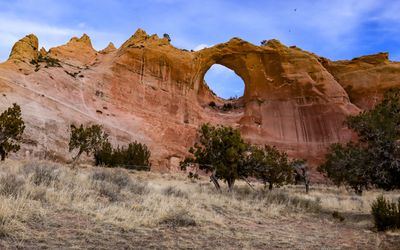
150	91
365	78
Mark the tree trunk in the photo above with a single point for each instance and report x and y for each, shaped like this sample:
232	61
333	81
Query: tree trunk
306	180
307	183
2	154
214	180
270	186
231	182
304	175
75	159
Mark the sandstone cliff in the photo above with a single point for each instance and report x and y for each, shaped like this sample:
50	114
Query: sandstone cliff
150	91
365	78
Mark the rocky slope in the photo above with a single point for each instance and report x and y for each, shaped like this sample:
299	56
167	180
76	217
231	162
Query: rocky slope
150	91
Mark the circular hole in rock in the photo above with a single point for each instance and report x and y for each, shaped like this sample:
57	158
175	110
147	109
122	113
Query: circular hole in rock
224	82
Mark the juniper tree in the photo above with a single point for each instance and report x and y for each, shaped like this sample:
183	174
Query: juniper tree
374	161
348	165
220	151
301	173
86	139
269	165
11	129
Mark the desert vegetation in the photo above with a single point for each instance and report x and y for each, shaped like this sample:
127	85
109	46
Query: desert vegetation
225	107
47	60
386	213
222	152
135	156
108	208
11	129
92	140
373	161
86	139
40	197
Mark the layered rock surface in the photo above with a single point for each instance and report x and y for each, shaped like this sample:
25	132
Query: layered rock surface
150	91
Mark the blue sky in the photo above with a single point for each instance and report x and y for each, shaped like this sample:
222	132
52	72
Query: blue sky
337	29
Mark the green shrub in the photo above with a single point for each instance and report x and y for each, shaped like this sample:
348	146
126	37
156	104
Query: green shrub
87	139
373	161
50	62
386	214
225	107
269	165
167	36
228	106
219	150
136	156
12	127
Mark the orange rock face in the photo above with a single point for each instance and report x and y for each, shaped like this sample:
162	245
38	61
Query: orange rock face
365	78
150	91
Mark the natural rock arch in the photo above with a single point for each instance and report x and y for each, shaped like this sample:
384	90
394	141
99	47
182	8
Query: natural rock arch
289	97
224	55
292	99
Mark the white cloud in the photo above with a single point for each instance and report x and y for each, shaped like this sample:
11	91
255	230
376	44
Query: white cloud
200	47
13	29
331	28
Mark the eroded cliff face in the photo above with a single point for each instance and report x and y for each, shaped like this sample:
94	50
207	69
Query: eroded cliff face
150	91
365	78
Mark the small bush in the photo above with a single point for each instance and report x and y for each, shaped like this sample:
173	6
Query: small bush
118	178
38	194
99	93
11	185
108	190
50	62
109	183
139	188
233	98
337	215
12	127
225	107
179	218
386	214
173	191
42	173
228	106
166	36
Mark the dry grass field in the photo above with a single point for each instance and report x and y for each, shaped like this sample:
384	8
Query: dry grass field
50	206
